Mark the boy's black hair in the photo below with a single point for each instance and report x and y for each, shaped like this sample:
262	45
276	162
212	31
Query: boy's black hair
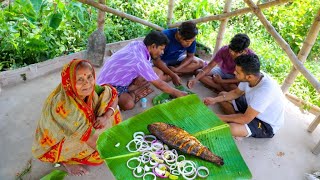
249	63
239	42
188	30
157	38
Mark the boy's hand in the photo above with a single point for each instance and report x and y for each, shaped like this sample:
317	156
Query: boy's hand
176	80
217	78
209	101
191	83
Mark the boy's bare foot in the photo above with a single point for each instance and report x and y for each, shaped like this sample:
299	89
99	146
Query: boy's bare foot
143	93
238	138
75	169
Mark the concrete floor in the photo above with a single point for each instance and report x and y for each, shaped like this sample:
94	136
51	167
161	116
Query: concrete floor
286	155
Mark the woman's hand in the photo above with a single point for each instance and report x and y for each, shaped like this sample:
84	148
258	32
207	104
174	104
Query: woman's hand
102	122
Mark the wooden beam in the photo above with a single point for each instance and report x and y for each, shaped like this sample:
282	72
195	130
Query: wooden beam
170	11
222	28
304	52
233	13
119	13
284	45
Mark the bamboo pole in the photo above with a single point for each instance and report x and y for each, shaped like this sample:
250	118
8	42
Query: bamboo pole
233	13
170	12
250	21
314	124
101	16
316	149
222	28
284	45
304	52
119	13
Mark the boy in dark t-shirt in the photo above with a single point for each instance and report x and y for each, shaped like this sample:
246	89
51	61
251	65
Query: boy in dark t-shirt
178	56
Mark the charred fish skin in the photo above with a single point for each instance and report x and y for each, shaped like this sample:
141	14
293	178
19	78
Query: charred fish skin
180	139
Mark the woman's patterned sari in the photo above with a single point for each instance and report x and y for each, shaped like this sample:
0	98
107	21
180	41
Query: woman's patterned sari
66	122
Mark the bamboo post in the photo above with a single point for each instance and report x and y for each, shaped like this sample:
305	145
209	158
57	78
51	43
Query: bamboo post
316	149
119	13
314	124
233	13
284	45
304	52
101	16
97	40
250	21
170	12
222	28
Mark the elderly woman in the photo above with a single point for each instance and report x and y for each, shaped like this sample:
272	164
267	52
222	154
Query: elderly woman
73	117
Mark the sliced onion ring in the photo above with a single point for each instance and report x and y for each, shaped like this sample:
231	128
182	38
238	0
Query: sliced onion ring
138	174
149	173
134	158
204	169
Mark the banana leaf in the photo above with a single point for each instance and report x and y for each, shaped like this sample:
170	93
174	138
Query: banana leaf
55	175
188	113
165	97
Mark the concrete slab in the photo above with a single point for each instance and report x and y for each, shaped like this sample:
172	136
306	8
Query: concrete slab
287	155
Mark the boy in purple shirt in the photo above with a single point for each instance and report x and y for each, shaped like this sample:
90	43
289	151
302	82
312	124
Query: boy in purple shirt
129	69
221	77
178	56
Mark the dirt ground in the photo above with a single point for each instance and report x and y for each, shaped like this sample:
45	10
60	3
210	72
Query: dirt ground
287	155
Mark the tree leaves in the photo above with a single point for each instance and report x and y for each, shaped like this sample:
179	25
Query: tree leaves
55	20
36	5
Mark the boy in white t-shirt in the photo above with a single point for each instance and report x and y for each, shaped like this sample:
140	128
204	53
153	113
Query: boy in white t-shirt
256	107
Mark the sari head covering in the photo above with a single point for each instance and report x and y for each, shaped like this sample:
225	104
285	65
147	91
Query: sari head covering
67	120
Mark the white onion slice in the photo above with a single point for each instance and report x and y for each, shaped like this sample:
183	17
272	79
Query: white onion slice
150	138
149	173
202	168
134	158
129	145
146	168
164	162
139	133
138	172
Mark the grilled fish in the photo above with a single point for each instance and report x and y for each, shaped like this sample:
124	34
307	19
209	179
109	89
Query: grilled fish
178	138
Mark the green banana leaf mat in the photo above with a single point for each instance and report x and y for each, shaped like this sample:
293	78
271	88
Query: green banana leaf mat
165	97
188	113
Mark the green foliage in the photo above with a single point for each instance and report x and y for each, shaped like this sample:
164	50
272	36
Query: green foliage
55	20
33	31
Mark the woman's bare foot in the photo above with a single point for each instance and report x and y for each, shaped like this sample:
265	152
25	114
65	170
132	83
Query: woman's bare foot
75	169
